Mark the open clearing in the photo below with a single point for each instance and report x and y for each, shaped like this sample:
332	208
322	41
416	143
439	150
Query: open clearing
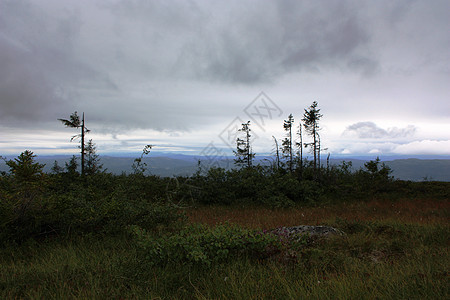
392	250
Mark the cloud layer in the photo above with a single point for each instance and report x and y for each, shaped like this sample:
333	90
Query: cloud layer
187	66
54	54
369	130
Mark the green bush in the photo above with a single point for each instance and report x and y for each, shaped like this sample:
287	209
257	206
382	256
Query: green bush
35	205
67	214
204	246
217	186
277	201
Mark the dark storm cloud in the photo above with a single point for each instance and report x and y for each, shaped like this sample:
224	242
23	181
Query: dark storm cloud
254	41
56	56
171	64
369	130
37	62
316	35
24	91
282	37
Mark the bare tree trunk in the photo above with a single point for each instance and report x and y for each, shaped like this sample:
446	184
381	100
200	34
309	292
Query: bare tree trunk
290	149
278	152
315	147
249	158
301	151
328	163
318	154
82	146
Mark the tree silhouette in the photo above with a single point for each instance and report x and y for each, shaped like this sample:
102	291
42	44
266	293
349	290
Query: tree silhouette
287	142
299	144
310	120
243	153
24	168
139	166
56	168
277	152
92	160
75	122
71	167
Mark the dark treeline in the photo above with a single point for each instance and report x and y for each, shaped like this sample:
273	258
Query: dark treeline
36	204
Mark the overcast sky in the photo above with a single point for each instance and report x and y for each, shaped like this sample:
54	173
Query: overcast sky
182	74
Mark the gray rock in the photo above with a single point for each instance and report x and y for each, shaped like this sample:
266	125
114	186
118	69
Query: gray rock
313	231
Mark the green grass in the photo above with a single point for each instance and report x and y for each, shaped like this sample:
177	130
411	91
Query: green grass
384	259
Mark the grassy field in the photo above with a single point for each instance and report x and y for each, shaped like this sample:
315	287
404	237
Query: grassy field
415	211
391	250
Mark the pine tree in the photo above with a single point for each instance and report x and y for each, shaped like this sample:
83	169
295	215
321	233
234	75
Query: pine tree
71	167
243	153
57	169
287	142
75	122
92	159
310	120
24	168
28	176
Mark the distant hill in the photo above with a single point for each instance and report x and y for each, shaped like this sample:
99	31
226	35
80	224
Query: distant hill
185	165
417	169
162	166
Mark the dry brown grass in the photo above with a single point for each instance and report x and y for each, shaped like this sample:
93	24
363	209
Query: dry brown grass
423	211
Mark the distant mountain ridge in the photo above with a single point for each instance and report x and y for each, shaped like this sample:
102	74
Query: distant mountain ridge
174	165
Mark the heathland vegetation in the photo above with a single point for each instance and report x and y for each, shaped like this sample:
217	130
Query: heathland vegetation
93	234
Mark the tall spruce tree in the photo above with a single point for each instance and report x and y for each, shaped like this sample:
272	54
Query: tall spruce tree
310	120
243	153
287	142
56	168
75	122
72	166
92	159
24	168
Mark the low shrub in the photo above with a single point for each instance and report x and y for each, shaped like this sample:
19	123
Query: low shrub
201	245
68	214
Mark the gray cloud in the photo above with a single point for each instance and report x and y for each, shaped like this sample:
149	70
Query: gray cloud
38	62
172	65
252	42
369	130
